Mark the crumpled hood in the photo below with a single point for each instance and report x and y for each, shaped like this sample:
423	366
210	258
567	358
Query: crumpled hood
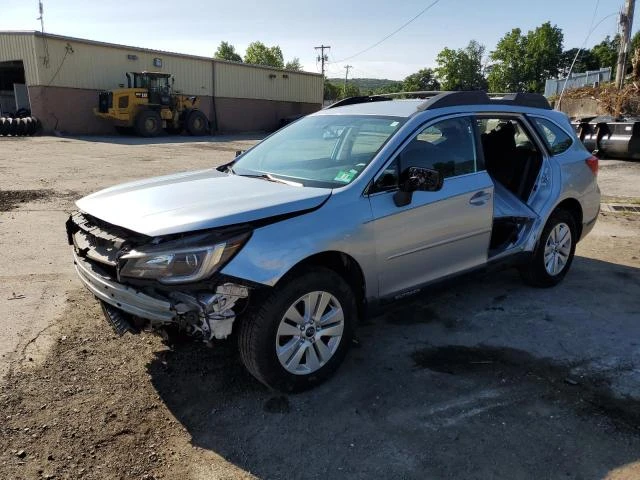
197	200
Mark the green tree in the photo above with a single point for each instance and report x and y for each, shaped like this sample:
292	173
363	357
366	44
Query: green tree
394	87
544	51
259	54
524	62
421	80
461	69
635	43
226	51
607	53
586	61
352	90
507	72
331	91
294	64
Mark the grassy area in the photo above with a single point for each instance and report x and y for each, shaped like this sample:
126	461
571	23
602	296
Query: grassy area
621	200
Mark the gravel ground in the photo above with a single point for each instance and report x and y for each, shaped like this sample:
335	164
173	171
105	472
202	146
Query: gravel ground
484	378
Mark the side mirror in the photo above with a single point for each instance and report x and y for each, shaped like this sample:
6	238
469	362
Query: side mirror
416	179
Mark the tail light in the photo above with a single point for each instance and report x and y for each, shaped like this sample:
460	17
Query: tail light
592	163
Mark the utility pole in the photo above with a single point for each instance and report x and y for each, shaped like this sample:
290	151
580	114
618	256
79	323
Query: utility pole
626	21
346	67
322	57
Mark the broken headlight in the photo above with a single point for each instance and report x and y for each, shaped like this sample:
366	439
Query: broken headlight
180	265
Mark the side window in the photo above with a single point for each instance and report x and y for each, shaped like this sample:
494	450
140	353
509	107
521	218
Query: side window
388	179
511	156
447	146
555	138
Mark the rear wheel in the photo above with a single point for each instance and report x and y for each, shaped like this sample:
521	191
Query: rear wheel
554	254
148	123
299	334
197	124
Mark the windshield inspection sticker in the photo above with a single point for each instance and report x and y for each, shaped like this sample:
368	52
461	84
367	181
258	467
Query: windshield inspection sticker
345	177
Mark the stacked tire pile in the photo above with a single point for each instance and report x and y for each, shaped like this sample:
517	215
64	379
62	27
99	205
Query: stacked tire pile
19	127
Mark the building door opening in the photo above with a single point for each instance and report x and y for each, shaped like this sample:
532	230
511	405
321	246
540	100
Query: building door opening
14	96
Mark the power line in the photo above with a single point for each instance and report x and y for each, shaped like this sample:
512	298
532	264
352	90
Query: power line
392	33
586	39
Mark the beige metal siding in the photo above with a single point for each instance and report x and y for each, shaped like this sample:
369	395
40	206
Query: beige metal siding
76	63
84	65
244	81
20	46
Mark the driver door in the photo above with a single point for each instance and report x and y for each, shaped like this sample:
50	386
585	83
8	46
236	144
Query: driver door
439	233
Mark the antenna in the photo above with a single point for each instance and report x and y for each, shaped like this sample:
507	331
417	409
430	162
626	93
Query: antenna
45	61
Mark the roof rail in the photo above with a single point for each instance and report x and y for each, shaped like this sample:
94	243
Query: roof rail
454	99
382	97
440	99
418	94
361	99
479	97
523	99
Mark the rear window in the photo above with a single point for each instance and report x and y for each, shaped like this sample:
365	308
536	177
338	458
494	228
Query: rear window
556	139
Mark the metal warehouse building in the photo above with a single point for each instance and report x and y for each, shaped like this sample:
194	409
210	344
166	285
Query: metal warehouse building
58	78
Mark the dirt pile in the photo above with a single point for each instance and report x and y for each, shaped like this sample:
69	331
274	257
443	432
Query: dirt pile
614	102
87	411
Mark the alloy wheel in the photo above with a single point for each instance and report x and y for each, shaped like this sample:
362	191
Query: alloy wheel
557	249
309	333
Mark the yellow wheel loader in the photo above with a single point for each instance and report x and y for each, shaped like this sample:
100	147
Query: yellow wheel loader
149	105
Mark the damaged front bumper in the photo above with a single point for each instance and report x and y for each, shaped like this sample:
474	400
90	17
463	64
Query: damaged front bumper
202	314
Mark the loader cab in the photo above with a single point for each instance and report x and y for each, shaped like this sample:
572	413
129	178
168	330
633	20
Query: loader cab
158	85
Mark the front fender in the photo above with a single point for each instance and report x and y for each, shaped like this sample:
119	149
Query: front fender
340	225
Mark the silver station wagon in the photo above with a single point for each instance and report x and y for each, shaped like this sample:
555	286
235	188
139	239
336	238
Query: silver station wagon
330	218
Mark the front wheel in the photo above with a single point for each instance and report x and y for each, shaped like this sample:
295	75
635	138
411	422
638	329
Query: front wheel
148	123
197	124
299	334
554	253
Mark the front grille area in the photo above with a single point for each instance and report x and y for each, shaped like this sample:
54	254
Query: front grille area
105	101
96	241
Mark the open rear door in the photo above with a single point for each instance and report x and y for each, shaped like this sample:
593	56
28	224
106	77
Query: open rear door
512	219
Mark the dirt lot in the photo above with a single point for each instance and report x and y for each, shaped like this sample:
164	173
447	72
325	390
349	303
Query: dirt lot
483	379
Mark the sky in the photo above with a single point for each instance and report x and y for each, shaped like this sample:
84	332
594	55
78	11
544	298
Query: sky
349	26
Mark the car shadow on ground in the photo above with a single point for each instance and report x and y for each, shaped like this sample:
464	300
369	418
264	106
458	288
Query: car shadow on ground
485	378
167	139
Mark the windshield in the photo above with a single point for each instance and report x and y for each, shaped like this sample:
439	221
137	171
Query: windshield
326	151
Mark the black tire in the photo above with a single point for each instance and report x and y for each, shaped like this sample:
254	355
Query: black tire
258	329
148	123
31	125
37	126
21	127
535	273
13	127
197	123
28	126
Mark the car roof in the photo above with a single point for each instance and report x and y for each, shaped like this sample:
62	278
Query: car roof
476	101
394	108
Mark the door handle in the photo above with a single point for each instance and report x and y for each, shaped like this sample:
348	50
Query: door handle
480	198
